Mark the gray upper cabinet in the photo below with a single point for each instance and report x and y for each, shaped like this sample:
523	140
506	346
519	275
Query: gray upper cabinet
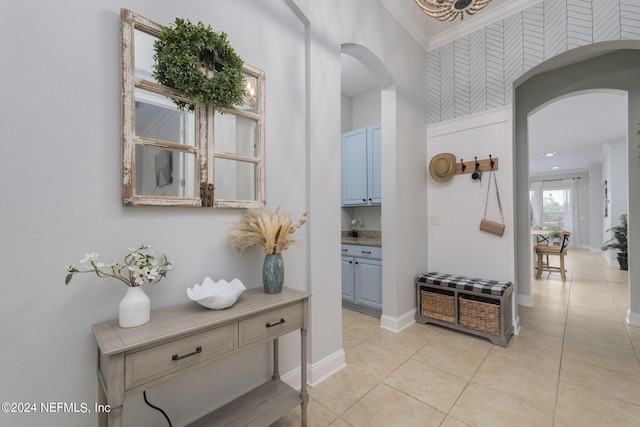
361	165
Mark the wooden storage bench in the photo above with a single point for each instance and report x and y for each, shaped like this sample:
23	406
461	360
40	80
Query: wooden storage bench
477	306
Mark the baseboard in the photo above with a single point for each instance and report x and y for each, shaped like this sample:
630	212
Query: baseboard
292	378
317	372
396	324
633	319
525	300
516	325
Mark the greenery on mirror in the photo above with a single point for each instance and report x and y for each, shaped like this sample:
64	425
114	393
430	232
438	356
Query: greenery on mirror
194	59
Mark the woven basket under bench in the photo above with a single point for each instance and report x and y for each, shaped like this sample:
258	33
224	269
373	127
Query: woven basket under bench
477	306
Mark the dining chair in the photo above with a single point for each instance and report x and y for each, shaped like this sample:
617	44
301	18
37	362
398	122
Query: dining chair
546	251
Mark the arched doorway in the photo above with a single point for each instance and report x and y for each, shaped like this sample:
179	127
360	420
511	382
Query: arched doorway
609	65
386	85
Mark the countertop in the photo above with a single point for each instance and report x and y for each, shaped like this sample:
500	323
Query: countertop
365	238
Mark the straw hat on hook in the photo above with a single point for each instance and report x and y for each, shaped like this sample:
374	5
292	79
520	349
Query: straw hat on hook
442	167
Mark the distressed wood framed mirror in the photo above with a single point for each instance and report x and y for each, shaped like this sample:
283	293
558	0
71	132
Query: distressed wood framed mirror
177	157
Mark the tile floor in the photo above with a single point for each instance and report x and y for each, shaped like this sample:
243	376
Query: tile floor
574	363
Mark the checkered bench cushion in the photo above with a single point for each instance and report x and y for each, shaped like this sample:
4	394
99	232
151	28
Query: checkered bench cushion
483	286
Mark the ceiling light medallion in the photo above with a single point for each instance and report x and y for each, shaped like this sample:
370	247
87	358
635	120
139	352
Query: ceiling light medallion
448	10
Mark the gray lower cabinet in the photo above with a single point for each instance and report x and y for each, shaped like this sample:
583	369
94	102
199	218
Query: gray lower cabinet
362	278
348	280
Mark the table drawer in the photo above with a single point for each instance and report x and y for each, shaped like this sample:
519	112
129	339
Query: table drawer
164	359
270	325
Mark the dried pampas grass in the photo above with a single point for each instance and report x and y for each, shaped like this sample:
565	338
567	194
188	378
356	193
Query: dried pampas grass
263	226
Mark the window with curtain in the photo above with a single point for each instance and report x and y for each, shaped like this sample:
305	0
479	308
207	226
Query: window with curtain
553	209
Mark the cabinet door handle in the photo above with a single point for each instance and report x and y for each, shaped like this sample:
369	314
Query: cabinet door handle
271	325
364	200
356	262
350	262
345	250
176	357
366	252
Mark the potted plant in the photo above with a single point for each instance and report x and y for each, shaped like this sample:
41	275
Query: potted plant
619	242
275	231
354	226
140	266
555	237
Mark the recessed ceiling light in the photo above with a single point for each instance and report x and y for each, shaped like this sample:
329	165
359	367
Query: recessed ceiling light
548	154
555	167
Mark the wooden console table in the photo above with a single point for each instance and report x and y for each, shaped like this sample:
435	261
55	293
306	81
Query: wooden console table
187	336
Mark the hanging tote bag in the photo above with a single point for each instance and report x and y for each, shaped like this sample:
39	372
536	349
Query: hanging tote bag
485	224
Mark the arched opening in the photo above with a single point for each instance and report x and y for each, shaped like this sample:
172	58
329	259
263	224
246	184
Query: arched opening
569	140
382	89
602	66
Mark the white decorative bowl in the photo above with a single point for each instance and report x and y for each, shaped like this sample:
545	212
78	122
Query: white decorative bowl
216	295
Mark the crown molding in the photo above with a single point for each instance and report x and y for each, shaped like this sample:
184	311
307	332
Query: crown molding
480	21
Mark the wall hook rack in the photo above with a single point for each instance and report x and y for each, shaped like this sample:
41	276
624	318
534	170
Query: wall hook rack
483	164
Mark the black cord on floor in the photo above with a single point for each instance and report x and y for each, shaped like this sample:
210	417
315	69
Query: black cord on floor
144	394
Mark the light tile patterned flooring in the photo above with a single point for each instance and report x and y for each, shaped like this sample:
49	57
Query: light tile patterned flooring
574	363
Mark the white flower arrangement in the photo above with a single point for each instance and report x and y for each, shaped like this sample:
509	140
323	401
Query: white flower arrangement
140	265
355	222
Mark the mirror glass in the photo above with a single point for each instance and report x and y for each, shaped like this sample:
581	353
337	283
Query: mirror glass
252	94
235	180
160	171
235	134
166	173
143	55
158	118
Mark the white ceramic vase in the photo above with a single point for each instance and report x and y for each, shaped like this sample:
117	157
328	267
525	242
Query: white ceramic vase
135	308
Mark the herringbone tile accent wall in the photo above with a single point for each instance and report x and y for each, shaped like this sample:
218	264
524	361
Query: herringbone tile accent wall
475	73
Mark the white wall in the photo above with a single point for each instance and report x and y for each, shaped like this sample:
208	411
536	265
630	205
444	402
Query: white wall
61	199
596	206
366	109
60	196
346	116
615	172
456	207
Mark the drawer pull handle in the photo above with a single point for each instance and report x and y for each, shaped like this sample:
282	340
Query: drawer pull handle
366	252
176	357
270	325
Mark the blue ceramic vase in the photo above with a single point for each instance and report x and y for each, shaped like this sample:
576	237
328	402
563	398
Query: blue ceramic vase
273	273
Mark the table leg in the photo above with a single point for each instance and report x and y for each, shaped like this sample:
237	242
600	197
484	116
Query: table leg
276	363
115	417
303	374
103	420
